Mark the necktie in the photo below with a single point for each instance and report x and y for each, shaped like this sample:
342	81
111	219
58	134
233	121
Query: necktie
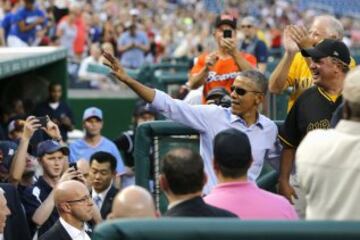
97	200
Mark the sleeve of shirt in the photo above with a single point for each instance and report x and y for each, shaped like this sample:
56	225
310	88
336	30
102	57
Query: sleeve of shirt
261	52
31	201
120	168
17	17
194	116
250	58
293	69
289	133
73	154
199	64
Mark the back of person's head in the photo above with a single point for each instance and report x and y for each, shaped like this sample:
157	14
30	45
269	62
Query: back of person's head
133	202
104	157
184	171
232	153
351	94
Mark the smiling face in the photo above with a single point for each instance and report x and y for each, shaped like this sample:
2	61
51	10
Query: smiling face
322	70
247	103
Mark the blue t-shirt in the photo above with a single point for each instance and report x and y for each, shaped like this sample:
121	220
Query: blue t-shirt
80	149
28	16
6	24
134	57
257	48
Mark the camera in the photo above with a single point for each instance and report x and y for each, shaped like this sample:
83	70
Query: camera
43	121
227	33
73	164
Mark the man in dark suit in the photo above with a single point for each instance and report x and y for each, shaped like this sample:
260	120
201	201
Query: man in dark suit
75	207
182	179
102	173
17	217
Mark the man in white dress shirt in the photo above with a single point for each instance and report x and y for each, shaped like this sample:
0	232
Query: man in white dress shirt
75	207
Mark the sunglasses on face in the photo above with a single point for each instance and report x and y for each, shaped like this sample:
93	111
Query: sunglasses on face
246	26
240	91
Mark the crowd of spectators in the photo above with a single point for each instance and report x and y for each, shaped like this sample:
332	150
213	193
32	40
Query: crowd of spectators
67	188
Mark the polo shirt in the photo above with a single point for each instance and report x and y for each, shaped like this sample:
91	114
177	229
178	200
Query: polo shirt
249	202
312	110
32	198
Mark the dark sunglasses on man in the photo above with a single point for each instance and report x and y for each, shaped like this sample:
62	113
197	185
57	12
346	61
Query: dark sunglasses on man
240	91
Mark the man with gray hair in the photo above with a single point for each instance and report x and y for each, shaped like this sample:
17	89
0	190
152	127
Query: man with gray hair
328	164
247	93
293	69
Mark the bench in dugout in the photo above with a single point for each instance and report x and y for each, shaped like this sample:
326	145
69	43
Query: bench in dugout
159	137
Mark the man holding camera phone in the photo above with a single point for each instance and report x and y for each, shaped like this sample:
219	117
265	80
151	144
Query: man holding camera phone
220	67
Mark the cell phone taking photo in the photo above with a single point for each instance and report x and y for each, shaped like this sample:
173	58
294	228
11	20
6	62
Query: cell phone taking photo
227	33
43	121
73	165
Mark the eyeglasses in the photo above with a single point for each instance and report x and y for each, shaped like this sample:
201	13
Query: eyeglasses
84	199
246	26
240	91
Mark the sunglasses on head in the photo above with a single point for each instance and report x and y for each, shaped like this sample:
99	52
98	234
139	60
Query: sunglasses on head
246	26
240	91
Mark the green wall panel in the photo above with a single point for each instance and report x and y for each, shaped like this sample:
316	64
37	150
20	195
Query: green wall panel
117	113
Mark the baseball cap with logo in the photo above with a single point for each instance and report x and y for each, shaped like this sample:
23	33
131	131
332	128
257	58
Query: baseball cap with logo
232	149
226	19
51	146
7	152
329	48
92	112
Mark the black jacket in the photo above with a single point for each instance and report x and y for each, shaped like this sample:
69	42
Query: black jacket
196	207
16	225
56	232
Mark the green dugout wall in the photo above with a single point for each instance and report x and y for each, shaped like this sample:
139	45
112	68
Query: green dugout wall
26	72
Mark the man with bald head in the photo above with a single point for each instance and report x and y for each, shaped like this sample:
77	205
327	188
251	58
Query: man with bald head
133	202
83	166
75	207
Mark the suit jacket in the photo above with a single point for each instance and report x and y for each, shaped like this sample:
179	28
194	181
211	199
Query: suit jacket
16	225
196	207
107	204
56	232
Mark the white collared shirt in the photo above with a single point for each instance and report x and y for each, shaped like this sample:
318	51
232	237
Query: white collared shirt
75	234
102	195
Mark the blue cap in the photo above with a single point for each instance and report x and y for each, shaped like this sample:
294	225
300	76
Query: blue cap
7	150
92	112
51	146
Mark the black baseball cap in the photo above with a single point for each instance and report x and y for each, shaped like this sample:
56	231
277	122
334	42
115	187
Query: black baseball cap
226	19
217	92
329	48
232	149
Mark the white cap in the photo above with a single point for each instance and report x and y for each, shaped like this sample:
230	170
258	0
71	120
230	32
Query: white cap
351	91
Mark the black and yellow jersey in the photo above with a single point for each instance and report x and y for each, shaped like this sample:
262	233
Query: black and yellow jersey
312	110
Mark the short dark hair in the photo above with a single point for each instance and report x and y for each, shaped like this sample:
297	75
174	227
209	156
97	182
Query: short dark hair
257	77
232	153
184	171
104	157
52	85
